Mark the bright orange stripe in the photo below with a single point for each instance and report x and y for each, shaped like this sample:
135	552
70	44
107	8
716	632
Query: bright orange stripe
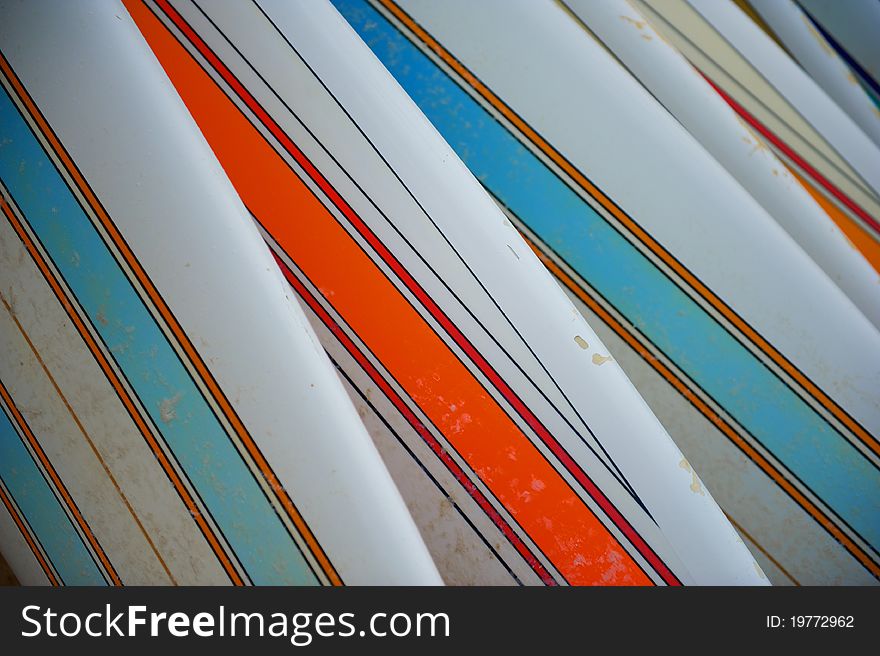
707	411
632	226
180	335
861	239
123	396
59	485
568	533
29	539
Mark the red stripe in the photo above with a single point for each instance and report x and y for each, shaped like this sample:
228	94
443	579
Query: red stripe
797	159
417	425
457	336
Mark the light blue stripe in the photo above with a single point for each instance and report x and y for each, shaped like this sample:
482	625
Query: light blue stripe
201	445
43	512
695	342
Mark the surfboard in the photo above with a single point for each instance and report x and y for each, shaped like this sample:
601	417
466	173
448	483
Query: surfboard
851	29
805	43
667	75
758	365
522	450
167	415
813	136
795	85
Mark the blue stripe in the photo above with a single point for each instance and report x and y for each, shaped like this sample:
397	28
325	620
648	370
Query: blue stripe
692	339
42	510
186	421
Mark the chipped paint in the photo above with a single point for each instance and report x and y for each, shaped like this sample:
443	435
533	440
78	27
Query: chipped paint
599	360
168	408
696	486
580	341
638	24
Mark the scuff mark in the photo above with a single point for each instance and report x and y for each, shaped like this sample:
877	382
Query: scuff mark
818	37
696	486
639	25
168	408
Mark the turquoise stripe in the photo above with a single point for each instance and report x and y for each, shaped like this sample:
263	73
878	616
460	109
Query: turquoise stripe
871	93
43	511
692	339
186	421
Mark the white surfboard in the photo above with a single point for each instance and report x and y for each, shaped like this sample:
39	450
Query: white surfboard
758	365
168	415
523	451
851	28
803	39
688	96
768	90
795	85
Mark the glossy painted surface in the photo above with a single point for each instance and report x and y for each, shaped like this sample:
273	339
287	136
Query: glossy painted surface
523	452
693	285
205	435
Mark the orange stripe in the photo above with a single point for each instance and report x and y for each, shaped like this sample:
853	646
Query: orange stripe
123	395
563	527
636	230
775	562
26	534
59	485
859	237
707	411
762	24
177	331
